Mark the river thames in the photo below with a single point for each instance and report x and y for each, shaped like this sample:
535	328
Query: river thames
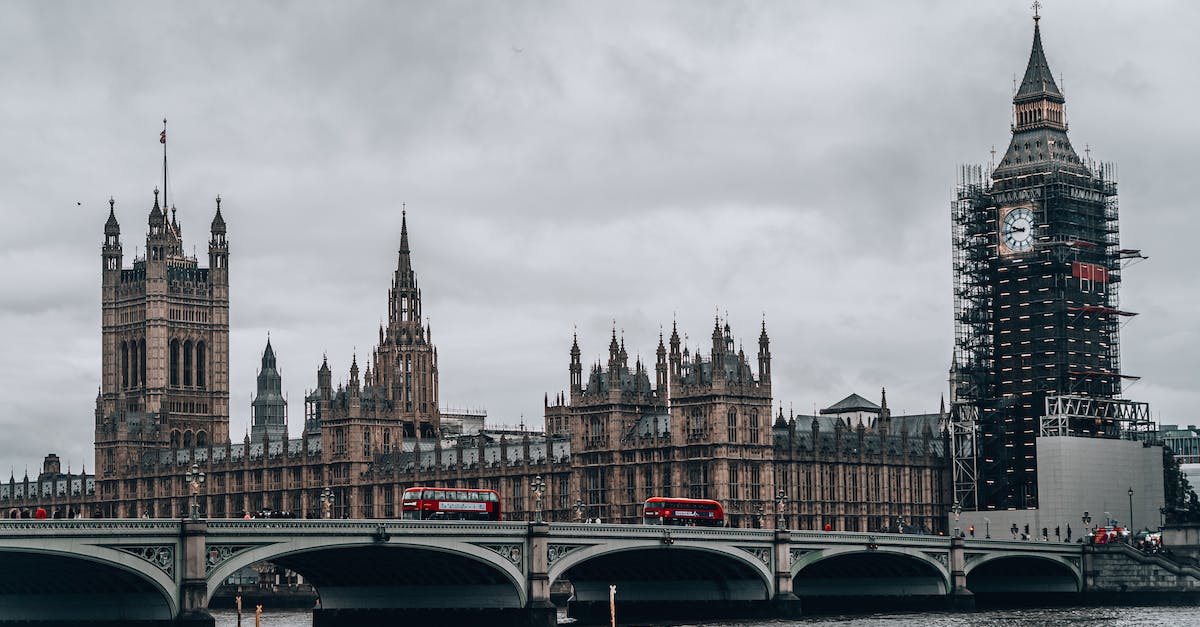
1054	616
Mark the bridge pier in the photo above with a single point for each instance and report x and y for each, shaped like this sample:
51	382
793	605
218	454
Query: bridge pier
540	611
785	603
193	588
961	599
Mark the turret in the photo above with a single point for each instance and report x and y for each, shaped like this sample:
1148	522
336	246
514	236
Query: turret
112	255
660	369
764	355
675	357
218	249
576	367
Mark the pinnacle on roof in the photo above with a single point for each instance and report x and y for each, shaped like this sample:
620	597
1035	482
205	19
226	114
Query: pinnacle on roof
111	227
1039	81
404	231
218	222
156	214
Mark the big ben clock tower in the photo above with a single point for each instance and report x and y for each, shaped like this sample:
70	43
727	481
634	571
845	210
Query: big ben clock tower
1037	263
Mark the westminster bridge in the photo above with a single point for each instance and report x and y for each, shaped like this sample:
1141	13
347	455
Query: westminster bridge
165	571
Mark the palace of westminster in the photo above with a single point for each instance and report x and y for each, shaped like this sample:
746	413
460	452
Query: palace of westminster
704	427
698	422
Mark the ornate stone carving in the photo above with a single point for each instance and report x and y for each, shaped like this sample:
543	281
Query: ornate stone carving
762	553
940	557
794	555
160	555
555	552
216	554
510	552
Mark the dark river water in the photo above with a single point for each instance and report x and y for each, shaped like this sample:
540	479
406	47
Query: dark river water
1056	616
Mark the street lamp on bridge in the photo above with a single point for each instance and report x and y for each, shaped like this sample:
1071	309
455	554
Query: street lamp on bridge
987	528
195	479
781	502
1130	527
1087	522
326	502
538	487
578	510
956	509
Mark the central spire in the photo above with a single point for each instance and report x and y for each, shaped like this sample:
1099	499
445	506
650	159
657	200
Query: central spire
1039	123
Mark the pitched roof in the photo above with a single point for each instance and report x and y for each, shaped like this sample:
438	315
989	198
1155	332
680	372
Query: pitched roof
853	402
1038	81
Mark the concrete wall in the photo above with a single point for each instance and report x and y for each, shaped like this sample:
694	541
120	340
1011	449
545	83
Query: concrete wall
1077	475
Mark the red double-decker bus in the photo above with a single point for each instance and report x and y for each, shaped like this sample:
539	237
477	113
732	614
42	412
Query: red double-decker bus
423	503
660	510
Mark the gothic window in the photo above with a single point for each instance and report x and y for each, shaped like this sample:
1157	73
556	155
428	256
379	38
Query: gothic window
755	485
201	438
666	480
630	484
175	439
696	424
754	426
387	440
187	439
141	362
200	365
648	479
174	355
339	440
732	425
698	481
366	443
596	488
734	488
124	365
187	363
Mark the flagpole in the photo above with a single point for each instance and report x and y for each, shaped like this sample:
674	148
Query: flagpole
163	139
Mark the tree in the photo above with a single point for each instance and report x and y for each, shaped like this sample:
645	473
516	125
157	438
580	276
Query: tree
1182	504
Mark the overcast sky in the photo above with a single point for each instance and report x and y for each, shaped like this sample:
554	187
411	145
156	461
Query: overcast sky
566	164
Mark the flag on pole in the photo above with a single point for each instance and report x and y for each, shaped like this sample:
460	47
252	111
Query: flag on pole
162	137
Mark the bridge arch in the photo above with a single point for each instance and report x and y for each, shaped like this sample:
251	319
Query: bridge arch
649	570
357	572
999	572
883	571
88	584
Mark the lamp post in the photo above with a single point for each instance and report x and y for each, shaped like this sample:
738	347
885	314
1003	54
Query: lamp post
1130	508
195	480
326	502
956	509
780	502
987	528
1087	522
538	487
761	517
578	510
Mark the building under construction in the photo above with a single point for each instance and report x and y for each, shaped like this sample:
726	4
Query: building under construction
1037	266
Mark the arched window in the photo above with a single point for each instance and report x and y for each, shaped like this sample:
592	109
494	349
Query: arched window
124	365
696	424
732	425
754	426
175	439
387	440
187	439
366	442
187	363
201	438
174	355
201	358
141	363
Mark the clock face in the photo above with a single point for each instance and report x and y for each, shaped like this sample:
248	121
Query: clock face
1016	231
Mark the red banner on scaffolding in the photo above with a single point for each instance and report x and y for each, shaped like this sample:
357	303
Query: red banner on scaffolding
1089	272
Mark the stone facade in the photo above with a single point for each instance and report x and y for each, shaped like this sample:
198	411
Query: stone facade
703	428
